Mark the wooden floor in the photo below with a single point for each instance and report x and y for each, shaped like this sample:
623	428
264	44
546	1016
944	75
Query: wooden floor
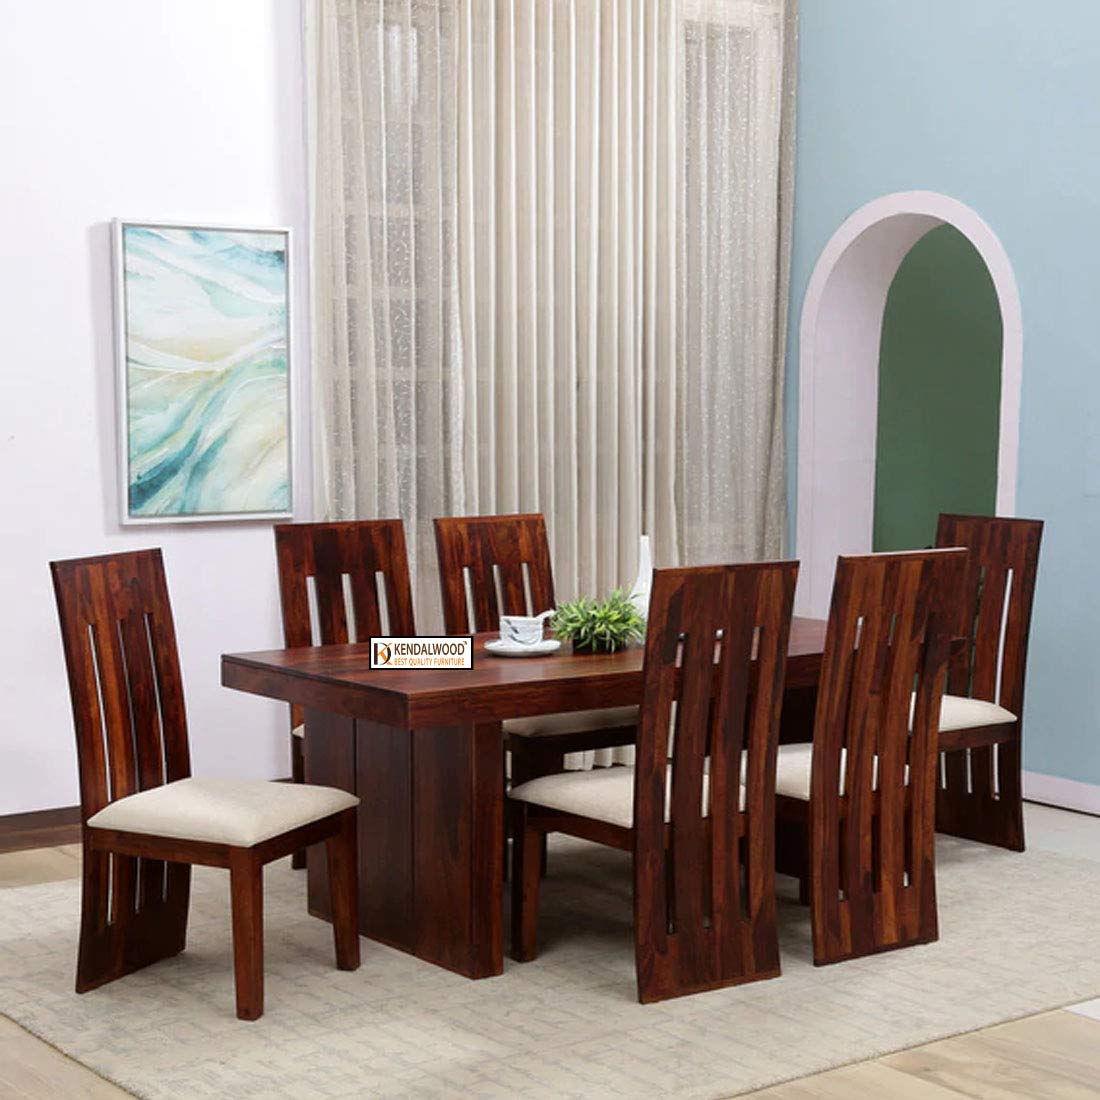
1055	1055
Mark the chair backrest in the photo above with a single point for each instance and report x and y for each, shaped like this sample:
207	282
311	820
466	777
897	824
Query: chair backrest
885	663
491	566
124	675
360	573
995	604
361	585
705	883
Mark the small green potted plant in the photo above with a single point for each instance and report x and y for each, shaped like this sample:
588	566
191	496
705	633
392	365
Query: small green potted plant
599	626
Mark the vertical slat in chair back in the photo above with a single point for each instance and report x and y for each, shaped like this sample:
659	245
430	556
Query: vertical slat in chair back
705	882
996	604
873	788
491	566
131	735
360	574
124	677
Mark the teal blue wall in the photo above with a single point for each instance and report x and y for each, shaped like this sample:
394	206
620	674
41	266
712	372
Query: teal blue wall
997	104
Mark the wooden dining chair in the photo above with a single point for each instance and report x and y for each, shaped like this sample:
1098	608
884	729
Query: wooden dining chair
856	808
145	819
360	587
979	795
700	821
500	565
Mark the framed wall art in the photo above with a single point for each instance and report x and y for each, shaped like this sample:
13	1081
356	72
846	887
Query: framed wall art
203	347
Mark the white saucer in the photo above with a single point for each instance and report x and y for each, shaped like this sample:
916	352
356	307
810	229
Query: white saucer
500	648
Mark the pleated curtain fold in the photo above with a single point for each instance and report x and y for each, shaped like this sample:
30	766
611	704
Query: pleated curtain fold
549	272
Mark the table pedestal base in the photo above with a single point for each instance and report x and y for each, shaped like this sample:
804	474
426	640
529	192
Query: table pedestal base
430	835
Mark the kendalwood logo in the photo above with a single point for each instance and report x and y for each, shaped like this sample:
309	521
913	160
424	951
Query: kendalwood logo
441	652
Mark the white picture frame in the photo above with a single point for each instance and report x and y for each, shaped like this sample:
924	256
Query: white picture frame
281	508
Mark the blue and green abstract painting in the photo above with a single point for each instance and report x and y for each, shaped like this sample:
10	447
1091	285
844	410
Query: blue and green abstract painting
206	332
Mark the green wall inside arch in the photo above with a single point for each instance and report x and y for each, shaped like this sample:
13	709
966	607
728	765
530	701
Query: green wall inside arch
939	391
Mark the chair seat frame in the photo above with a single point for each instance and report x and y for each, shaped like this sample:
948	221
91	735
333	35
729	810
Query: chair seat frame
704	887
979	795
111	950
510	553
865	860
360	559
131	734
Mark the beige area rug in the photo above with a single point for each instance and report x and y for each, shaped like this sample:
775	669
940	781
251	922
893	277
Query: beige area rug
1015	929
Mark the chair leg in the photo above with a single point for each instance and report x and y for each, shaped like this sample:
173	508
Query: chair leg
297	775
506	861
526	846
114	945
532	761
1012	796
93	966
342	851
247	888
976	814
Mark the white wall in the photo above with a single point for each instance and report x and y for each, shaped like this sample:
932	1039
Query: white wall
183	110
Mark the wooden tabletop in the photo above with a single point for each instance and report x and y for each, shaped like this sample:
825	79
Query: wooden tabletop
338	679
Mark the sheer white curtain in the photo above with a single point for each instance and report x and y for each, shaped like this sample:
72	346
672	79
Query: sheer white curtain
549	271
736	187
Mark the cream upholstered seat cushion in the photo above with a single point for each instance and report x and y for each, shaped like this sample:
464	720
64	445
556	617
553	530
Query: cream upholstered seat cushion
960	713
576	721
603	794
794	764
794	769
238	812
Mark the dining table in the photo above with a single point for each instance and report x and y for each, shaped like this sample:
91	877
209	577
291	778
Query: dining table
423	749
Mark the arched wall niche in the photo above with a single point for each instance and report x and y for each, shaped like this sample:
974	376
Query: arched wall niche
839	335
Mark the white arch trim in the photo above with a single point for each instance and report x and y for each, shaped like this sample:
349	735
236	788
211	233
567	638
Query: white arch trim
839	336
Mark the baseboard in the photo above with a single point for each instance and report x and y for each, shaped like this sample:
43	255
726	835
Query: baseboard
40	829
1069	794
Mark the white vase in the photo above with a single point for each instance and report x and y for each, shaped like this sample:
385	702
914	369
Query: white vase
639	593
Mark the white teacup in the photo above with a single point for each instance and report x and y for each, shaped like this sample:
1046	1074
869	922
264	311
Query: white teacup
522	630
